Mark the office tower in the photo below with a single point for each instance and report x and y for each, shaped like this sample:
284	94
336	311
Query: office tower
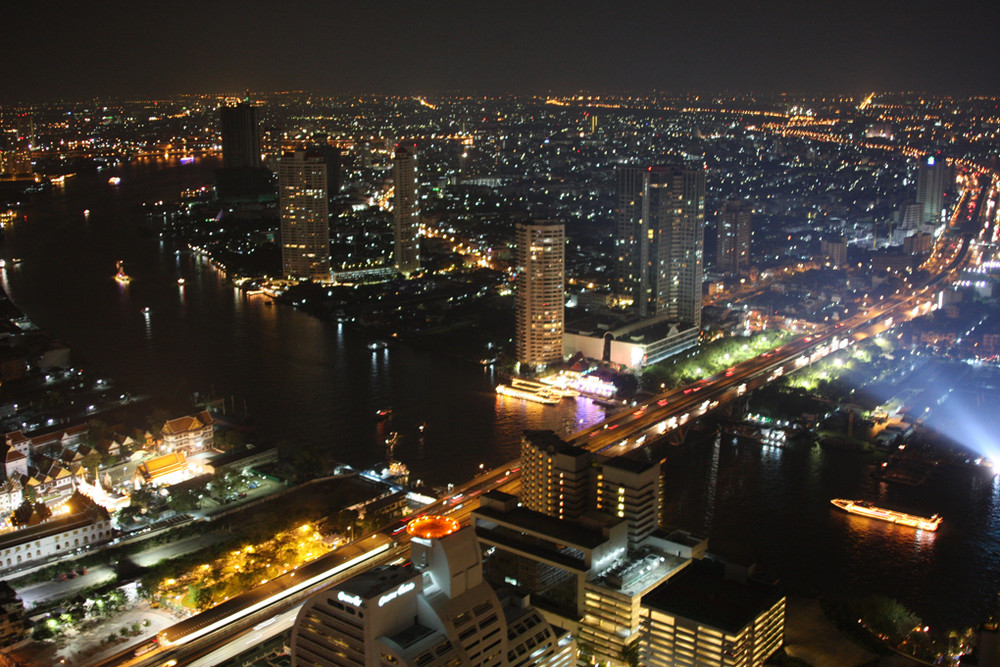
405	214
240	129
711	614
934	182
305	221
555	476
661	235
539	291
629	489
436	609
628	217
734	228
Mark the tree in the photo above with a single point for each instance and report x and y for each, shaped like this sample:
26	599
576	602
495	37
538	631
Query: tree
887	618
22	514
92	463
184	500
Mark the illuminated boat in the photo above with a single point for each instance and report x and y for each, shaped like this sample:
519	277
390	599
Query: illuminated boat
121	276
543	396
865	508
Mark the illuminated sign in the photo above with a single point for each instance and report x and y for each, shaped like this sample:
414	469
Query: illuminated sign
392	595
350	599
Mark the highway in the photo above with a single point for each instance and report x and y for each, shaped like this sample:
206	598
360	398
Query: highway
218	633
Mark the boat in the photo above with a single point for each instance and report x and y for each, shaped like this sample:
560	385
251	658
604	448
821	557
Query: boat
865	508
377	345
536	395
114	180
383	413
180	281
122	277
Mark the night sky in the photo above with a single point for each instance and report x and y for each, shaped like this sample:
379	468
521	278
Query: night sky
81	49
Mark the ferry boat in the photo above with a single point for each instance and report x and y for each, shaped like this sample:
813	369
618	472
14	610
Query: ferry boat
865	508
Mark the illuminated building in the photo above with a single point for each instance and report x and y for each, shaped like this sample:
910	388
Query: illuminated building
76	522
934	181
555	476
190	434
405	212
630	489
581	574
305	222
434	610
734	228
634	344
660	216
565	481
539	292
712	614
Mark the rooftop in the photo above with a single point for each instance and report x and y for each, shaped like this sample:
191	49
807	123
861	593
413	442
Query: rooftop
546	526
702	593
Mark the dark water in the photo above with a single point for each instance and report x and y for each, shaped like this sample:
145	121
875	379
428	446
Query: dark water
316	384
772	506
304	381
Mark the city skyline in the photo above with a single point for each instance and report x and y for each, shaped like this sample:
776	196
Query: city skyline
646	445
510	48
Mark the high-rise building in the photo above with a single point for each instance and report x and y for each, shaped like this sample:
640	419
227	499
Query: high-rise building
934	183
240	129
581	574
661	235
305	220
436	609
734	229
629	489
405	212
555	476
711	614
628	220
242	176
540	292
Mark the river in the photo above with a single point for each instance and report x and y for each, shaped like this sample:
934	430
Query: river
315	384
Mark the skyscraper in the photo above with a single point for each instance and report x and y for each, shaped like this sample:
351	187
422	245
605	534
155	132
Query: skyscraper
305	221
540	294
661	236
405	214
933	184
733	249
242	175
240	129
